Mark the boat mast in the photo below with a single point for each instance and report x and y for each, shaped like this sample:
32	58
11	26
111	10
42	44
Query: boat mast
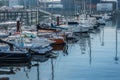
37	12
84	6
90	6
116	5
52	11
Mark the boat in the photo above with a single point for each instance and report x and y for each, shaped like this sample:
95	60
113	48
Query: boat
4	35
101	21
72	23
58	47
46	28
40	50
34	44
58	40
60	27
14	56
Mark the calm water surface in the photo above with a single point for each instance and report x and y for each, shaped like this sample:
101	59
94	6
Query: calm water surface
93	57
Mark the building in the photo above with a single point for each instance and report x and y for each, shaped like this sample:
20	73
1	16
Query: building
54	7
78	6
25	3
68	4
3	3
13	3
29	3
115	4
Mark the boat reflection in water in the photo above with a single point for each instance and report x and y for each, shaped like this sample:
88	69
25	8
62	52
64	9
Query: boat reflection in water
4	78
116	58
8	69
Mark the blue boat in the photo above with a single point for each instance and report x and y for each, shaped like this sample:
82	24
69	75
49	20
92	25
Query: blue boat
13	55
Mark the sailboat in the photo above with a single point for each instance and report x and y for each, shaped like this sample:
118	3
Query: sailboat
86	22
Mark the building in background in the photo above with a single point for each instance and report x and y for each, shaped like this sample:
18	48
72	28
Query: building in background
25	3
13	3
115	5
3	3
54	7
29	3
79	6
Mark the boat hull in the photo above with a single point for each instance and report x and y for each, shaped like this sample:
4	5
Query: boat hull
41	51
14	57
58	41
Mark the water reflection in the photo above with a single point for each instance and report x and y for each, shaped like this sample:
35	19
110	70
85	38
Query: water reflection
13	68
102	37
116	35
52	66
83	40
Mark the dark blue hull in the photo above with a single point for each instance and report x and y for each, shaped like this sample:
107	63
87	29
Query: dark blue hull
14	57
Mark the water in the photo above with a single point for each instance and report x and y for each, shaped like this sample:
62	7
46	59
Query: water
95	57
